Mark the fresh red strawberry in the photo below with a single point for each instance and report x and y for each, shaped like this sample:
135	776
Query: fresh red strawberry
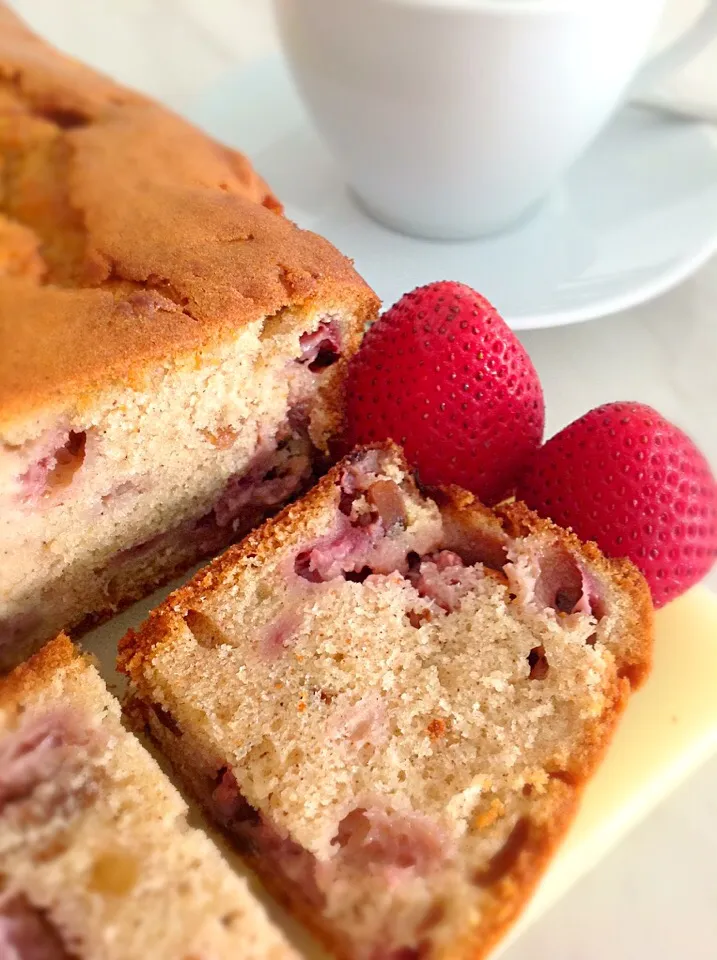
634	483
443	375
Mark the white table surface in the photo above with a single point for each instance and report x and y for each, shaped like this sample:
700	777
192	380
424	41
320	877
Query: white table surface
656	895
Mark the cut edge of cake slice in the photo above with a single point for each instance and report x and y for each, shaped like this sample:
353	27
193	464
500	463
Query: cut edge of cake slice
97	858
392	698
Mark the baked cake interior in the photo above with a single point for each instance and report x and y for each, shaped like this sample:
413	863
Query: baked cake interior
391	701
125	490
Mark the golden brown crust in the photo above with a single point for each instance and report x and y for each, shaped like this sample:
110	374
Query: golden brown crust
39	80
18	687
156	232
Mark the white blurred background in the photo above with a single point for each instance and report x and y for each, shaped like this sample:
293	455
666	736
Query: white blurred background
215	34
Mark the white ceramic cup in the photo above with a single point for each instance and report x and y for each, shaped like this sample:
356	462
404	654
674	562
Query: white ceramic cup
452	118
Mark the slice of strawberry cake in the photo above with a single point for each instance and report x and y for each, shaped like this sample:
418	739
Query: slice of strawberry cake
97	859
392	699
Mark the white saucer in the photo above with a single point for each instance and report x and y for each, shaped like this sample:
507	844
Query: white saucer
637	215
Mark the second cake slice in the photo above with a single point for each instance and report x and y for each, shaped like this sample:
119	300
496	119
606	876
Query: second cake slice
392	701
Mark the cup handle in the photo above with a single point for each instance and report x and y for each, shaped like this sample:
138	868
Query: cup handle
680	51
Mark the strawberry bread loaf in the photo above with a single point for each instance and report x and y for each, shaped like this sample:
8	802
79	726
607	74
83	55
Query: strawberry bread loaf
97	860
391	700
172	350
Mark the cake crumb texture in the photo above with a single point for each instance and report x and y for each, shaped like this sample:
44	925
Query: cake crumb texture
392	699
